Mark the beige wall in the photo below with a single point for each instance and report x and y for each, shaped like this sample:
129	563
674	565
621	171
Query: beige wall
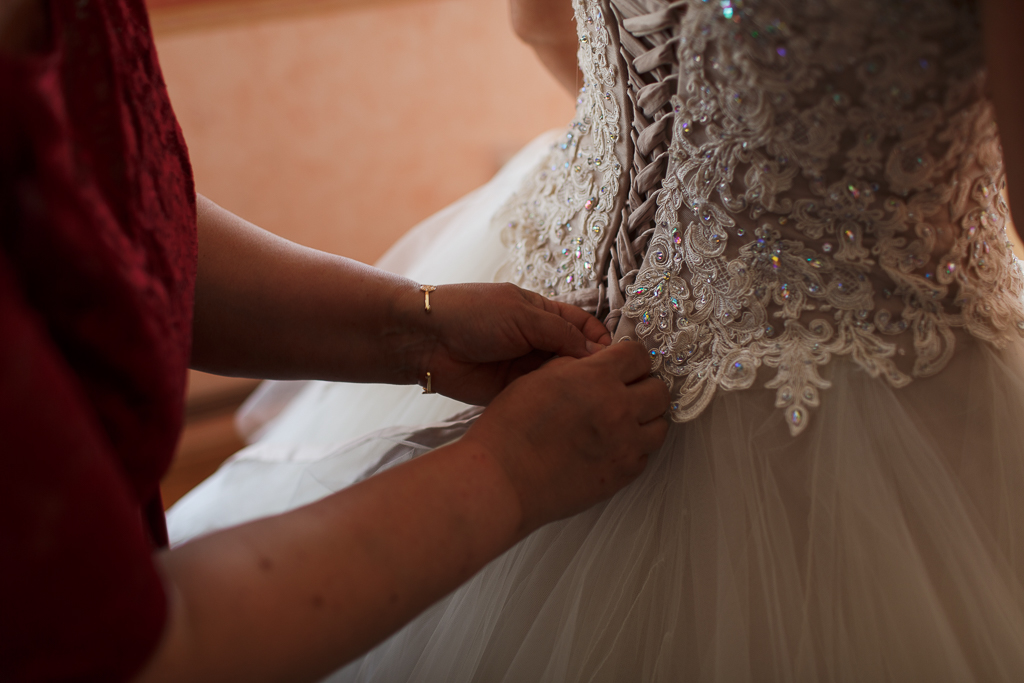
343	126
340	124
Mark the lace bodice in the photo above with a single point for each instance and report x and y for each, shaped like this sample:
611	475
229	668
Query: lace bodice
752	187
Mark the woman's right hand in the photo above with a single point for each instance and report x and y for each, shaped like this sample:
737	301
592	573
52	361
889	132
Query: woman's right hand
294	596
575	431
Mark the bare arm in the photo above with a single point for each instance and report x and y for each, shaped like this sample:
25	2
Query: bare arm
548	26
266	307
295	596
1003	24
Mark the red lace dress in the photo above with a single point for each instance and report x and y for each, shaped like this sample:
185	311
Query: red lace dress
97	269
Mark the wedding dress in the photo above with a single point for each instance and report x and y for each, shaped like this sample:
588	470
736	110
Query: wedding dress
795	205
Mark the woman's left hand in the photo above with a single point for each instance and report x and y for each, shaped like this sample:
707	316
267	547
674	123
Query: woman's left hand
487	335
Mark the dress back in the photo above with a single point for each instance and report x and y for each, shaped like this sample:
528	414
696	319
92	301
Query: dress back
752	187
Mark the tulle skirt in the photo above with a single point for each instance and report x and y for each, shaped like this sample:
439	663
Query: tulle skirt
885	543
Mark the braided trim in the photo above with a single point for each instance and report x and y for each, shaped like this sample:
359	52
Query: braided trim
648	44
830	188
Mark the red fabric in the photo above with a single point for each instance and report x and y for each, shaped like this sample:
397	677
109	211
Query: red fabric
97	268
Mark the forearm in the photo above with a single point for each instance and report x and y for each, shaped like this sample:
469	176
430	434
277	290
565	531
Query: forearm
548	26
295	596
1003	21
266	307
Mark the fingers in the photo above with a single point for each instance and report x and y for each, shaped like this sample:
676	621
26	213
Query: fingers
526	364
648	396
594	332
592	328
651	398
629	469
652	435
550	332
629	360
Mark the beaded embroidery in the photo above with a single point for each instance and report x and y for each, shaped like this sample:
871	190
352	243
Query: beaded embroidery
832	188
555	223
811	178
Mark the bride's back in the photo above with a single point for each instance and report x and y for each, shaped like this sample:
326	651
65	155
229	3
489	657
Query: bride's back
774	183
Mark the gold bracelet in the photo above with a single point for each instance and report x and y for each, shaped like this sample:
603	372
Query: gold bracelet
427	289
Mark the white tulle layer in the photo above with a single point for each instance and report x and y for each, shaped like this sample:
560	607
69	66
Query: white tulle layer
886	543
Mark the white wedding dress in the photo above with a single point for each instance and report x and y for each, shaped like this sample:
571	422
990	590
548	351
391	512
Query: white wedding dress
795	204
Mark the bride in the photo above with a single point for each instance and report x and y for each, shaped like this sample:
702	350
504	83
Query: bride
796	205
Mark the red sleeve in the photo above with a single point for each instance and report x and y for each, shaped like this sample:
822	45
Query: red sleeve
81	598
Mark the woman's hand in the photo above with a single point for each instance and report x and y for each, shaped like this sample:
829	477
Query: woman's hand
268	308
295	596
485	336
575	431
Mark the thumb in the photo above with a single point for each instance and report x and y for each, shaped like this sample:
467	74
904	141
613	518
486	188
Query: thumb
552	333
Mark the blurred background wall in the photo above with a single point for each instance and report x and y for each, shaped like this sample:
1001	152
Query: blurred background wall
340	124
342	127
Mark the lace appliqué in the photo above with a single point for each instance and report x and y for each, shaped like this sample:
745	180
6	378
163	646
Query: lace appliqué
832	188
554	225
